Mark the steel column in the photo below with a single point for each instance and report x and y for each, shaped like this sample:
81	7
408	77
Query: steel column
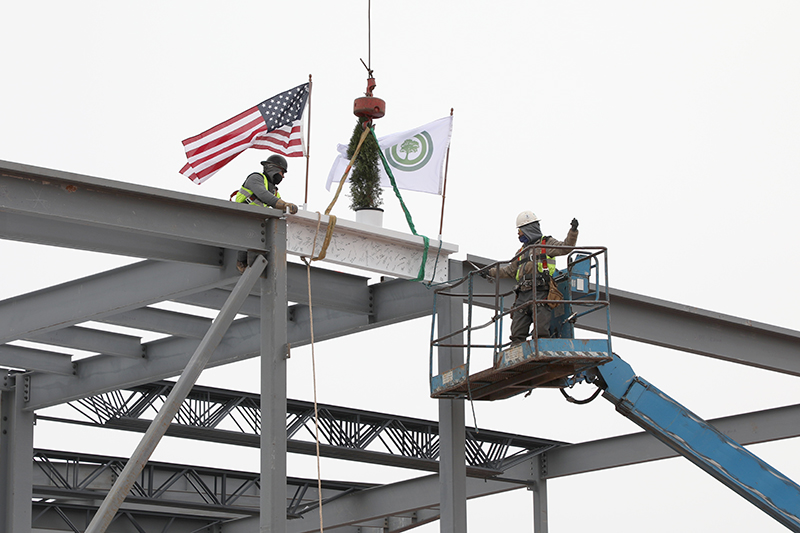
539	490
452	459
16	456
273	382
188	378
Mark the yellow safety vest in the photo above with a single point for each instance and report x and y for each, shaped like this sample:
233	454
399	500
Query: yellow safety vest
245	195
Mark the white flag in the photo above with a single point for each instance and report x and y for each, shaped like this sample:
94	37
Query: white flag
416	157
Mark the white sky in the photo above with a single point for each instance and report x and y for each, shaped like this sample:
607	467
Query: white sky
669	129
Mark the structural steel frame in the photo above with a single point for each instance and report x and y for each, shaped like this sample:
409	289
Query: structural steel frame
188	247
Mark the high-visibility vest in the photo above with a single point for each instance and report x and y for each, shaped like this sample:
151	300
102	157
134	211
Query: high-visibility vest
245	195
544	262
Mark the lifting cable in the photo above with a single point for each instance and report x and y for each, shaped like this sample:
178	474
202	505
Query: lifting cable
314	371
307	261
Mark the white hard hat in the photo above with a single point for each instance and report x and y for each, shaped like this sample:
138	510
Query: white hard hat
526	217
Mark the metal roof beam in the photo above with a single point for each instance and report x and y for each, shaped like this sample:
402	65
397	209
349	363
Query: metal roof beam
161	321
334	290
680	327
36	360
92	340
125	211
393	301
749	428
406	496
98	296
66	234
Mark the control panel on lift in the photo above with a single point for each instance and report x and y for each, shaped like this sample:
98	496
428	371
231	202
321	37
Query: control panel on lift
555	361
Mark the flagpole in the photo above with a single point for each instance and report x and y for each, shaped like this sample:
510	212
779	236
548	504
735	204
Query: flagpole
308	141
444	185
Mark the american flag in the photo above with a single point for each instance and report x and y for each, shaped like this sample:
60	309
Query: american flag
274	124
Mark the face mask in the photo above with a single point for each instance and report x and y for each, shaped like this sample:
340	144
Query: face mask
524	239
273	174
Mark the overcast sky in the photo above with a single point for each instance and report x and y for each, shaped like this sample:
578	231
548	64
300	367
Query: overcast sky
669	129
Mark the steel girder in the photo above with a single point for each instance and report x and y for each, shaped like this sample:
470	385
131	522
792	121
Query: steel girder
416	501
232	417
72	483
392	301
680	327
58	208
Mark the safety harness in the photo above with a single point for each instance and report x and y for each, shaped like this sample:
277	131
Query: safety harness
545	264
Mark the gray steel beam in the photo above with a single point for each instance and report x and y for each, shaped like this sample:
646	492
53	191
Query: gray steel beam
126	479
422	492
399	498
699	331
29	359
215	298
104	294
93	340
161	321
681	327
332	290
393	301
25	228
452	458
746	429
274	352
539	492
64	197
16	455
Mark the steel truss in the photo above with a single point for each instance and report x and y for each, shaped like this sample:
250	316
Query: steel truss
66	484
234	417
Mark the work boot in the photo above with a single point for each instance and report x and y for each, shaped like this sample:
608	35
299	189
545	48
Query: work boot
240	266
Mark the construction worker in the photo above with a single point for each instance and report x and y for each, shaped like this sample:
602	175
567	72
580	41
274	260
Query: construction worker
261	188
533	264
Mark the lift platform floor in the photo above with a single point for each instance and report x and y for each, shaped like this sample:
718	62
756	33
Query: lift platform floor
520	368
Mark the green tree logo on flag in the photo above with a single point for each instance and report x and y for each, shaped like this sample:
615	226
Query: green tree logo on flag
411	154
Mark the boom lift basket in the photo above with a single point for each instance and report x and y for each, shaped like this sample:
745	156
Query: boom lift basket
557	361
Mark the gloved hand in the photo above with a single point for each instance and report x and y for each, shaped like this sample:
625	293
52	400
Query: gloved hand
283	206
574	223
492	272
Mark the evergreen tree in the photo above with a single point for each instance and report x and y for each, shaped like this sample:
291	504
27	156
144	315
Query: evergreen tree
365	181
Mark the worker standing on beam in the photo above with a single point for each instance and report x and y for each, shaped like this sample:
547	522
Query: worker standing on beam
261	188
533	264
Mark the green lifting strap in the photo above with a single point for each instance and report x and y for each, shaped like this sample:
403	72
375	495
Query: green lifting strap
425	239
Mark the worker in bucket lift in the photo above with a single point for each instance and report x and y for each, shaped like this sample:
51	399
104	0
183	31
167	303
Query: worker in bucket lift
261	188
529	266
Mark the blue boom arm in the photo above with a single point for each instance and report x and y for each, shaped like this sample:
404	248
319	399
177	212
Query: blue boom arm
702	444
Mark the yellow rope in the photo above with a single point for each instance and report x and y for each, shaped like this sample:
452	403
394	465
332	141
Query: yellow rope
332	218
326	242
314	375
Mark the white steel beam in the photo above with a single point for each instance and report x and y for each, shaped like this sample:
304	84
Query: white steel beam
368	247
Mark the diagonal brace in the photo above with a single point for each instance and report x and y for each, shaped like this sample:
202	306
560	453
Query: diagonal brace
115	497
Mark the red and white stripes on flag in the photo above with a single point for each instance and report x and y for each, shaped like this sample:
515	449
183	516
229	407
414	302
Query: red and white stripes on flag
274	124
